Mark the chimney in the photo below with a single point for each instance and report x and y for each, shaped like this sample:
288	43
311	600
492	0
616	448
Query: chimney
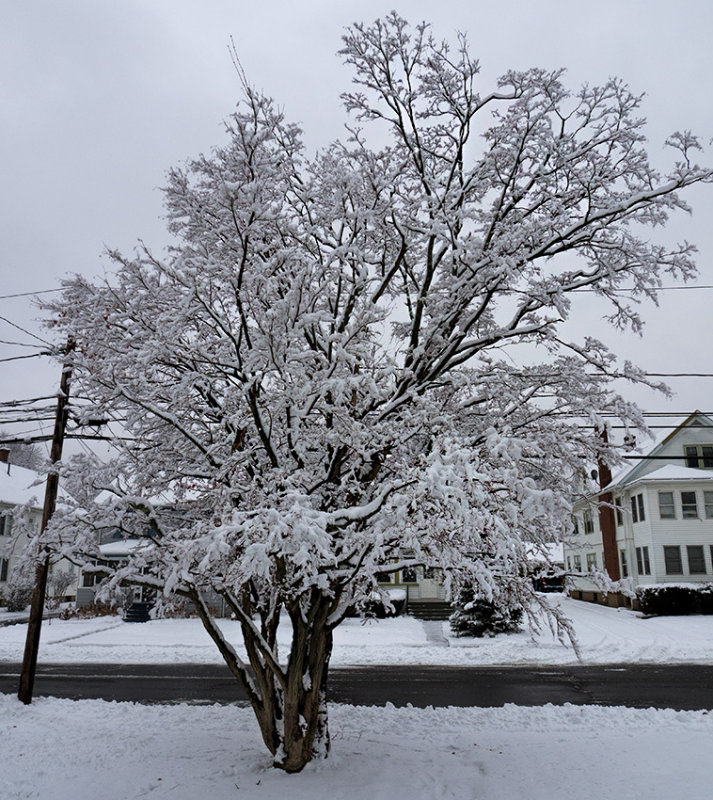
607	523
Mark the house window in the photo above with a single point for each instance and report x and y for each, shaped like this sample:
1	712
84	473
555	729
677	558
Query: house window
4	564
569	563
575	524
637	508
667	510
5	525
577	563
699	456
672	560
88	580
429	573
618	512
689	508
591	561
708	503
383	577
408	575
696	559
624	564
588	522
643	565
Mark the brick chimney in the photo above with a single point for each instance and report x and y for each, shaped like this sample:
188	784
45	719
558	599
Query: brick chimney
607	522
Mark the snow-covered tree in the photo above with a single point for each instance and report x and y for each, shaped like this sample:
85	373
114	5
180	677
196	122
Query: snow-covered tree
355	362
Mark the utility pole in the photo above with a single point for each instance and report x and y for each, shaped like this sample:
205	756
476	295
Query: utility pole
34	626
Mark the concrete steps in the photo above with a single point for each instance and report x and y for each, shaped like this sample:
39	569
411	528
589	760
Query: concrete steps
430	609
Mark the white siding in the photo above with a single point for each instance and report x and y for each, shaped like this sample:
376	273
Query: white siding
681	532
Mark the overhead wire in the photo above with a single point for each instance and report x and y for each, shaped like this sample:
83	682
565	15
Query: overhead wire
31	355
29	294
19	344
652	288
24	330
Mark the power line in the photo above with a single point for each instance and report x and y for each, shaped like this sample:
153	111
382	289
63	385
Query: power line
31	355
583	289
19	344
24	330
85	436
650	289
29	294
28	401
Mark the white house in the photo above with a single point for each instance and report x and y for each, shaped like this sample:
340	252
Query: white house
653	523
22	487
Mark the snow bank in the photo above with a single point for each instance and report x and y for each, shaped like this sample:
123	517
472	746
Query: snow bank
124	751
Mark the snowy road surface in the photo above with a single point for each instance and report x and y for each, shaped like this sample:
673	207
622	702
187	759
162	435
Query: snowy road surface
687	687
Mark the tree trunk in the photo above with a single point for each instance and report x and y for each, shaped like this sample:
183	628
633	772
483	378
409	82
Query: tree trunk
305	722
290	703
292	713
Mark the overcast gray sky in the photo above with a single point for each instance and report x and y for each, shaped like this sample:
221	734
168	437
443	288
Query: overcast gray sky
99	98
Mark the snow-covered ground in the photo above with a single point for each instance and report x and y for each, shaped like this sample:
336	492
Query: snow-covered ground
123	751
605	635
68	750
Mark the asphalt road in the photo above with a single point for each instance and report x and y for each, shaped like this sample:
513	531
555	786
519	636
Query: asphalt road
681	687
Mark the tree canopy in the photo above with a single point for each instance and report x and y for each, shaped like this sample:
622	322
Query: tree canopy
354	362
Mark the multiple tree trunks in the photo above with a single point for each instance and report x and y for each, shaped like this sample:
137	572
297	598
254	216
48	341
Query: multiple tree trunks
290	702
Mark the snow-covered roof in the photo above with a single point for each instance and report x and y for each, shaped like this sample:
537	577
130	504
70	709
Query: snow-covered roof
632	473
123	547
672	472
19	485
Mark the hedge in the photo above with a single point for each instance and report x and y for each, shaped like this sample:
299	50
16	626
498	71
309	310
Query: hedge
667	599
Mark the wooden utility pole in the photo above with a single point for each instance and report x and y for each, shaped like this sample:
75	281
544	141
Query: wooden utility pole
34	626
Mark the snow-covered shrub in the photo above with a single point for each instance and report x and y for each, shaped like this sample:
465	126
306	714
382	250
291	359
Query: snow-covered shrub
675	599
95	609
476	616
17	594
58	585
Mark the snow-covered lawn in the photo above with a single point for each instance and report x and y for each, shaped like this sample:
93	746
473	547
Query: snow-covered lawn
606	635
68	750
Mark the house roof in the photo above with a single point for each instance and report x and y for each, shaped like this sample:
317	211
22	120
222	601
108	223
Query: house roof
123	547
672	472
630	474
19	485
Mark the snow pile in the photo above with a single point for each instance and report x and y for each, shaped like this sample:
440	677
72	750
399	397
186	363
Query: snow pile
124	751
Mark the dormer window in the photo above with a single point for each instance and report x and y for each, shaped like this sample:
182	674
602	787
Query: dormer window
699	456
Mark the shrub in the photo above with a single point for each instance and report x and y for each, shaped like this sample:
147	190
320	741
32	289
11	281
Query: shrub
675	599
474	616
17	595
92	610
